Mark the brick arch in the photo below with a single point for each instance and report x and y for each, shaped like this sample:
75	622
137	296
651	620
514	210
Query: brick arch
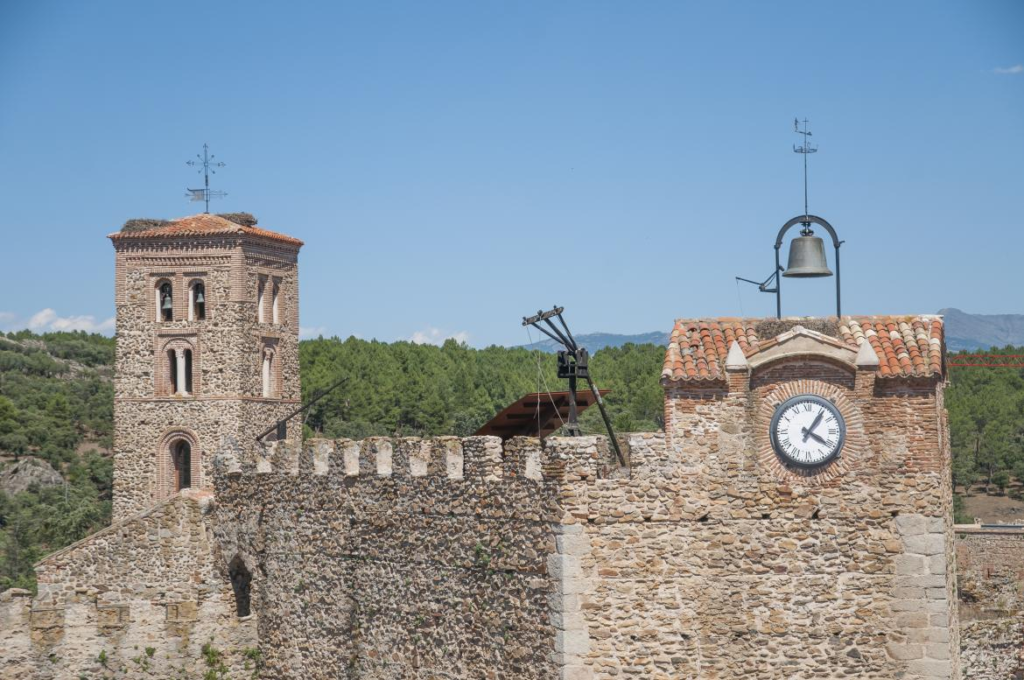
854	449
165	463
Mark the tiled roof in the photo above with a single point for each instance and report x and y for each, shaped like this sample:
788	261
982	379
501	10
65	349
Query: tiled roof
203	225
907	346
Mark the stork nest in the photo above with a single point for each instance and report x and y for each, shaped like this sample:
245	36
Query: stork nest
243	218
142	224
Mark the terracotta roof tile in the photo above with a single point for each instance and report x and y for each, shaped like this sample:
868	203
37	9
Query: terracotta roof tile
203	225
907	346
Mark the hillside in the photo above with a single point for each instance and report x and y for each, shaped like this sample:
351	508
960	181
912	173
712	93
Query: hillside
56	413
56	407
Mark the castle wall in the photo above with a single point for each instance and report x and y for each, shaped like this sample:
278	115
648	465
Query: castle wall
398	558
138	599
990	567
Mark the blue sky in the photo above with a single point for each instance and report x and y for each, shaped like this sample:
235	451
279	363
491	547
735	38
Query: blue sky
455	166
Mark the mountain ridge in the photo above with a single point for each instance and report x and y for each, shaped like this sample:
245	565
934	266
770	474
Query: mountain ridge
964	331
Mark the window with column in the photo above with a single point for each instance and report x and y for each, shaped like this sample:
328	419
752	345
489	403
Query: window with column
176	378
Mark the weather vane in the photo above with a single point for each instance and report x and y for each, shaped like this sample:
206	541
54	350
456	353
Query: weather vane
206	166
805	149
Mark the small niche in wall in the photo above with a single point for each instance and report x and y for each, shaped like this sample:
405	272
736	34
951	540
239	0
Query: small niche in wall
241	583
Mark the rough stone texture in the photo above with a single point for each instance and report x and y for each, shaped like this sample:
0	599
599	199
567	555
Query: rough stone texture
990	573
391	559
400	559
18	476
227	348
152	580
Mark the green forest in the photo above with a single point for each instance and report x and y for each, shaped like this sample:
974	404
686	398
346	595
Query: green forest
56	404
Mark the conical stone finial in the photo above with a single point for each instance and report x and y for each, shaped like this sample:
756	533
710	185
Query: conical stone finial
736	360
866	356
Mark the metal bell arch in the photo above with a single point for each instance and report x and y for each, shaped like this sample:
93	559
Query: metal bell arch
810	257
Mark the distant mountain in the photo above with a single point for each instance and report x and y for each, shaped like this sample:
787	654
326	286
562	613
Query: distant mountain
596	341
982	331
963	331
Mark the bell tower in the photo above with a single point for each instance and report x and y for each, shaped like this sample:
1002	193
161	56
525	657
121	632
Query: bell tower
207	346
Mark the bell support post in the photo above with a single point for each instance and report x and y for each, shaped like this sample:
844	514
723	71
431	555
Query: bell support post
805	220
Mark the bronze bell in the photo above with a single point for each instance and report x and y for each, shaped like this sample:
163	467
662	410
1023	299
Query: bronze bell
166	305
199	296
807	257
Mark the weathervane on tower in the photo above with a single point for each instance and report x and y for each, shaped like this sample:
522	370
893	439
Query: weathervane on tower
804	149
206	166
807	251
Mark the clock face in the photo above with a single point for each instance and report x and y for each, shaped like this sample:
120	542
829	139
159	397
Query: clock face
807	431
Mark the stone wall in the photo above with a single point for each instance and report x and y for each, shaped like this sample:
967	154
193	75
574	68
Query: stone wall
227	348
399	558
463	558
991	578
138	599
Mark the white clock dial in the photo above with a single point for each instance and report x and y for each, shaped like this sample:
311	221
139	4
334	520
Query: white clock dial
807	431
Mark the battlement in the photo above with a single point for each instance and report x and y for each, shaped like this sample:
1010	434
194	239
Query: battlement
561	459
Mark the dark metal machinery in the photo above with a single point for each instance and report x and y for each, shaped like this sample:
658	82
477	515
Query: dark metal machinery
573	365
281	426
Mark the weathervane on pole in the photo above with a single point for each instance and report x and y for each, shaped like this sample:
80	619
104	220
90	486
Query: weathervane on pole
807	251
805	149
206	166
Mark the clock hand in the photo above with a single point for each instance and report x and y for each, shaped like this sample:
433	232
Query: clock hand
808	433
810	430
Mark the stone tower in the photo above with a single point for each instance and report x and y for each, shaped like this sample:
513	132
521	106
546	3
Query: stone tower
207	346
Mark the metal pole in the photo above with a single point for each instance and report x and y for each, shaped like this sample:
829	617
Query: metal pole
206	174
778	285
607	422
574	426
839	307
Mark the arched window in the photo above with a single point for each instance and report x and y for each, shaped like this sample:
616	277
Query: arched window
241	583
268	372
197	302
181	458
276	304
261	299
165	302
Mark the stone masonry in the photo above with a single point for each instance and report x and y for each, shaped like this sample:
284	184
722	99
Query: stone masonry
990	571
246	273
705	556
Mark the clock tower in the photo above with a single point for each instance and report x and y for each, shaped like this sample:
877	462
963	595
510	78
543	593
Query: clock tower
814	454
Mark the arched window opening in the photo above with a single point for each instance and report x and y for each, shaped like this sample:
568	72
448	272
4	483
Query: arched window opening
276	304
188	371
268	373
241	583
181	454
165	302
197	302
260	299
172	370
